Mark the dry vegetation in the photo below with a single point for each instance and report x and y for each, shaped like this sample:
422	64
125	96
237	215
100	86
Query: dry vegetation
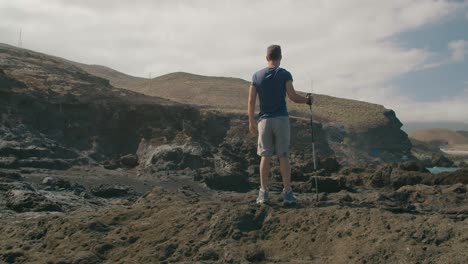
440	135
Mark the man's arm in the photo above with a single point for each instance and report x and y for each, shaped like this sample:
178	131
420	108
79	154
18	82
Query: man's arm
294	96
251	109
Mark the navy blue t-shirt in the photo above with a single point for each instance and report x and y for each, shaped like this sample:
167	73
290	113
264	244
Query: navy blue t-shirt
270	84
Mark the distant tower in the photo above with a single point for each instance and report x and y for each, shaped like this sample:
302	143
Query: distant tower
20	38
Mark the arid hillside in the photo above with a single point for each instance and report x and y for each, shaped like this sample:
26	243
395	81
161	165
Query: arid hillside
230	95
440	135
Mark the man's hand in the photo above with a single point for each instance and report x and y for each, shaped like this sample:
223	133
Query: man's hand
253	127
310	99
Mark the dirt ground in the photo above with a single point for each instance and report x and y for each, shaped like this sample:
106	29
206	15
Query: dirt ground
183	221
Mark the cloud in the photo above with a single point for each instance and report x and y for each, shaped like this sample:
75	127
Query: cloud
459	49
344	46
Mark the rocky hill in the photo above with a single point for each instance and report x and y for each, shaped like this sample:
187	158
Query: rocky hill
441	135
369	131
230	95
91	173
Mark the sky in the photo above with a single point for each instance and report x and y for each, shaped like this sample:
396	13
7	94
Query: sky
410	56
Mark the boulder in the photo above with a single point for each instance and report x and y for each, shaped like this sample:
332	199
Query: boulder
209	254
330	164
176	157
255	255
108	191
45	163
462	164
27	201
228	181
7	186
401	178
10	175
439	160
381	177
110	164
8	162
351	170
325	184
412	166
129	161
56	183
449	178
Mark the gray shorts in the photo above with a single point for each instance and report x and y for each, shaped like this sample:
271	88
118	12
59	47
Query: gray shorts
273	137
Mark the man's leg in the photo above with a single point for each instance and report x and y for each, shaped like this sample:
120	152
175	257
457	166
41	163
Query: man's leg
265	149
264	172
285	169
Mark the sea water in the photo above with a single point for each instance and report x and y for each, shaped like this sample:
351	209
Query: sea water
436	170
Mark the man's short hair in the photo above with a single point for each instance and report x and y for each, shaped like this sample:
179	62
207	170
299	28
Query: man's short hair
274	52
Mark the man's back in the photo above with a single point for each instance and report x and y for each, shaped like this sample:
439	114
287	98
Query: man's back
270	85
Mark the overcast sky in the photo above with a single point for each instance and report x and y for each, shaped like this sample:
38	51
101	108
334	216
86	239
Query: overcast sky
410	56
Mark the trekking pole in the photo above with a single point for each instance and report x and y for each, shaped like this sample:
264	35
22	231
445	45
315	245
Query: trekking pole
313	139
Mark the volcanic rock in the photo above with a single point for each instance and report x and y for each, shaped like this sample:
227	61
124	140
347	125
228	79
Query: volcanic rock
109	191
129	161
10	175
27	201
412	166
325	184
439	160
56	183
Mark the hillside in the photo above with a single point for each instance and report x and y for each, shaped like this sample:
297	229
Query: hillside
230	95
440	135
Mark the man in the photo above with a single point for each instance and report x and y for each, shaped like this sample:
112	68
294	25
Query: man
272	84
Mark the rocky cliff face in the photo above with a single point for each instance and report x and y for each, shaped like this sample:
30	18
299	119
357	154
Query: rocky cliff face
55	116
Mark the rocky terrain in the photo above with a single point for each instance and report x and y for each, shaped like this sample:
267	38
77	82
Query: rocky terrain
355	126
91	173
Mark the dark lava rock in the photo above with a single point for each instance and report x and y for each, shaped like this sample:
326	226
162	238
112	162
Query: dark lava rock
412	166
12	256
330	164
449	178
86	257
56	183
401	178
209	254
457	188
108	191
101	249
7	186
8	162
351	170
45	163
129	161
388	176
462	164
175	157
27	201
10	175
255	255
110	164
229	181
381	177
325	184
439	160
